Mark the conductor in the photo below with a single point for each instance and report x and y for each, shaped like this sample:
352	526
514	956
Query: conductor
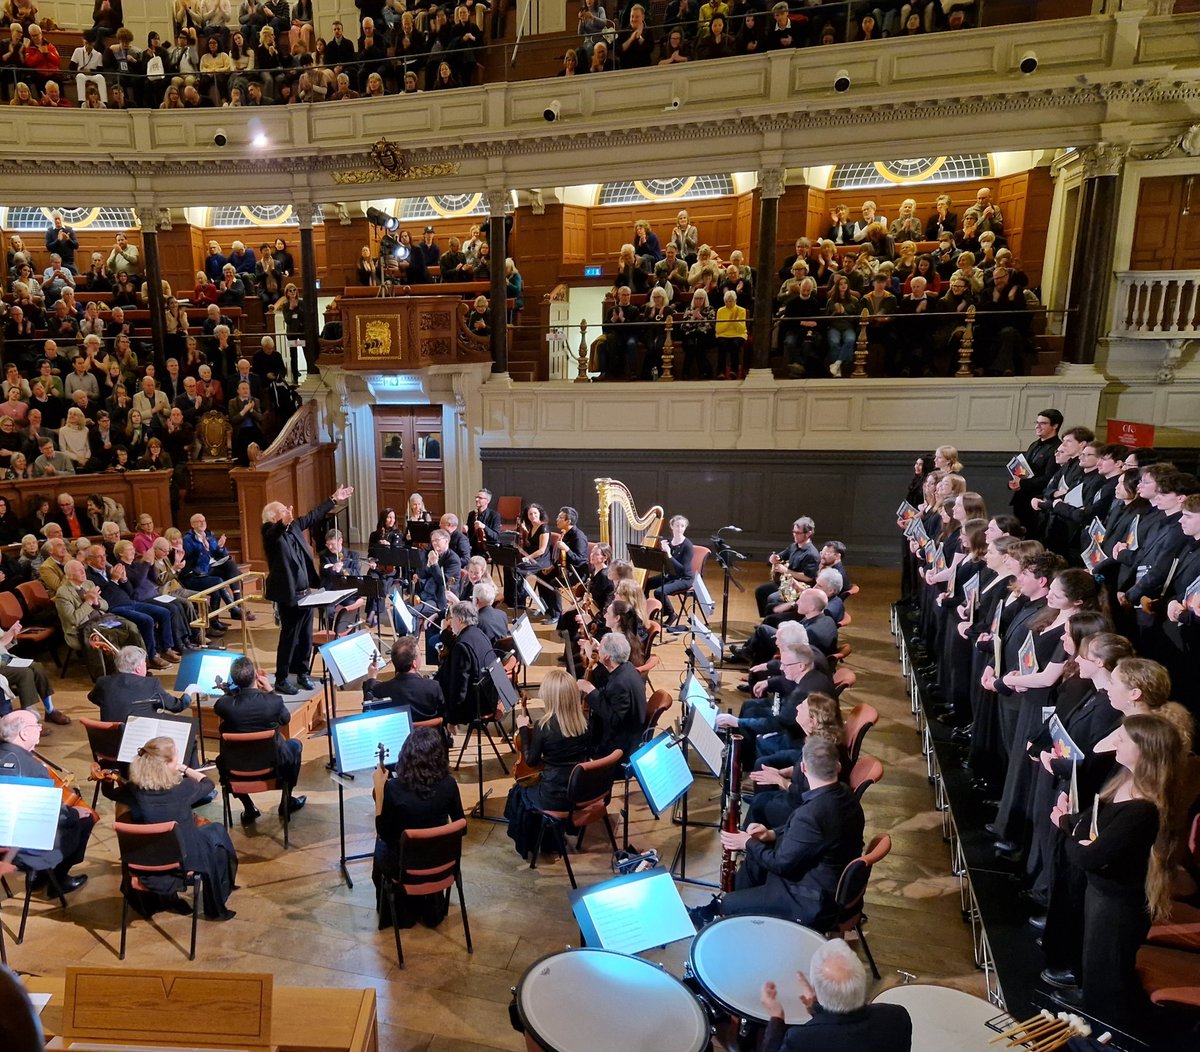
290	575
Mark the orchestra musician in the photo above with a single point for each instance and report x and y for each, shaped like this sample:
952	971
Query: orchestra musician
131	692
407	687
793	871
20	733
417	512
460	544
421	795
621	617
561	738
483	524
570	554
800	560
340	569
290	574
165	790
433	587
465	685
589	608
619	707
679	577
493	622
385	535
536	546
253	706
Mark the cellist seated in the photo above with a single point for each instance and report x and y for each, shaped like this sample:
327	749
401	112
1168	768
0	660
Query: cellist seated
560	739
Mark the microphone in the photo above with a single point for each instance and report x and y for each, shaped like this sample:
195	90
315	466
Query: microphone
736	529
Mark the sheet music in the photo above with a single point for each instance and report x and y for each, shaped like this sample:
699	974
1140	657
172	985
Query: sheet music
18	662
632	914
350	657
531	590
403	613
1019	467
164	599
708	709
213	667
1074	496
1027	662
693	691
906	512
29	810
140	729
526	641
327	596
662	772
356	739
704	739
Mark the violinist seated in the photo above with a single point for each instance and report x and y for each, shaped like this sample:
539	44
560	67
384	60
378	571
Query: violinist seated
466	687
434	588
340	569
407	687
619	707
534	534
793	871
560	739
570	561
422	795
460	543
620	617
493	622
20	733
162	789
590	600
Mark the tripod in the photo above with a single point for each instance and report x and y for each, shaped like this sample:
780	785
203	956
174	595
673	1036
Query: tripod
478	727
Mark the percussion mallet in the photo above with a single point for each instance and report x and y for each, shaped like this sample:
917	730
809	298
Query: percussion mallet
1022	1026
1049	1026
1075	1025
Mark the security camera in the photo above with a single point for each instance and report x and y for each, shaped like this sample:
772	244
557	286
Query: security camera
676	102
551	111
1028	63
220	138
841	82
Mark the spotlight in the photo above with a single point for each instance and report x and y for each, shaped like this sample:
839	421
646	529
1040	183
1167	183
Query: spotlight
377	217
260	140
220	139
1028	63
550	113
841	82
389	246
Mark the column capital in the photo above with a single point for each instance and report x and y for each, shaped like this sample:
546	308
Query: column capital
770	181
306	213
1103	159
497	201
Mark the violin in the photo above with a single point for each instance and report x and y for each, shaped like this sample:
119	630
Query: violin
524	773
66	782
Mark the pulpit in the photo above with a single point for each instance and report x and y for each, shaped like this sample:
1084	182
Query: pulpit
408	330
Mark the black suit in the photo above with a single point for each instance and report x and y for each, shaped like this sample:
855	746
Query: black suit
423	696
436	579
290	574
490	518
796	876
125	694
467	691
878	1027
494	624
254	710
619	710
70	842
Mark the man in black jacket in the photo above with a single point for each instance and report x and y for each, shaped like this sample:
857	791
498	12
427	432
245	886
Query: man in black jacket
620	705
573	546
483	524
1040	456
255	707
793	872
465	685
800	559
290	575
408	687
131	692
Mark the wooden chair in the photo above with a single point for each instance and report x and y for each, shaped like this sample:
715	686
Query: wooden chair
862	719
700	556
249	765
153	850
589	793
866	771
509	509
32	875
104	739
430	864
852	892
659	703
651	664
1169	976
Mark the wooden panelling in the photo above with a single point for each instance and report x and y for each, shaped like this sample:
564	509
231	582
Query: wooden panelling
1039	197
574	234
611	227
342	247
1166	239
745	230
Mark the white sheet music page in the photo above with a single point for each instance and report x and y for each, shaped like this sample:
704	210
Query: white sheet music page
29	811
140	729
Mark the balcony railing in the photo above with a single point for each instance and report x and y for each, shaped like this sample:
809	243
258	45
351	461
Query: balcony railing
1157	304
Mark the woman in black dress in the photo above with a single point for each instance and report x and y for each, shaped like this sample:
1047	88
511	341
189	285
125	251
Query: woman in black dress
385	533
1118	855
535	542
421	795
560	739
164	790
10	528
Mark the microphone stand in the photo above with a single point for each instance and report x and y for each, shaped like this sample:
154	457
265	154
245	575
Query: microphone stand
725	555
476	727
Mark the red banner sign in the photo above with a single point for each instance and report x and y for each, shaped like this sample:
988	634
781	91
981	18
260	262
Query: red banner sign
1130	434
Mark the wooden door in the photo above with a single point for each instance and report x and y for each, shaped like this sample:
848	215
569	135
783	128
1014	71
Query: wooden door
408	457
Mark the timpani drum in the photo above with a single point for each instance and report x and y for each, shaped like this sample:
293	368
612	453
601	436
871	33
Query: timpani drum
944	1019
591	1000
731	958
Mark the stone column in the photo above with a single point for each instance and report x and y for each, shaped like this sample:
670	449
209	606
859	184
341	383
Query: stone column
306	212
158	329
770	187
497	201
1091	263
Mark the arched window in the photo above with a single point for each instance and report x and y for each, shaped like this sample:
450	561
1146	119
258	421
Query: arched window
256	215
25	218
442	206
951	168
685	188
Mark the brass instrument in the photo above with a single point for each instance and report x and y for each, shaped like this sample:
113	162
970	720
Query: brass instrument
621	524
733	810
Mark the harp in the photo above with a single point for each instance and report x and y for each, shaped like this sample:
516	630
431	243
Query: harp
620	523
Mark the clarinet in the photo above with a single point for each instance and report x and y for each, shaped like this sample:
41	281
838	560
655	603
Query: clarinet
733	810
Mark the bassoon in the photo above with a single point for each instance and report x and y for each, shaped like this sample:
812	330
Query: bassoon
733	810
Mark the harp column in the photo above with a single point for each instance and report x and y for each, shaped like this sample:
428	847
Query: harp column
770	190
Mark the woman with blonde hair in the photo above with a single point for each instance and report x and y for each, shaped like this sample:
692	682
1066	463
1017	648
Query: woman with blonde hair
165	790
561	738
73	438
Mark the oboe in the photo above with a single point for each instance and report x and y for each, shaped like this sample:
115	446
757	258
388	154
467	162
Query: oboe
733	810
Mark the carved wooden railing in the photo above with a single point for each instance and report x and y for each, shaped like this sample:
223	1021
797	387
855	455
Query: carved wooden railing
1157	305
300	430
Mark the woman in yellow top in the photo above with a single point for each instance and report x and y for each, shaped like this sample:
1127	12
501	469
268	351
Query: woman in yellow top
731	337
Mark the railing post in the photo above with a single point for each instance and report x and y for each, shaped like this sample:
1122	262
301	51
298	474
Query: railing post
967	347
861	348
668	359
581	357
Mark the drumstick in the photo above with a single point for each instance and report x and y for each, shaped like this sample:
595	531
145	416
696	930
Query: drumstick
1075	1025
1049	1025
1022	1026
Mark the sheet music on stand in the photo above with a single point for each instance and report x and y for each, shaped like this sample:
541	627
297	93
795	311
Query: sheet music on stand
525	639
662	772
29	812
349	658
506	693
632	913
693	691
356	739
420	532
531	590
703	737
140	729
326	596
200	670
404	613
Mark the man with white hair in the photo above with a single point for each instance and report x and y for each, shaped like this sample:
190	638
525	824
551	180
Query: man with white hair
620	705
290	576
131	692
836	998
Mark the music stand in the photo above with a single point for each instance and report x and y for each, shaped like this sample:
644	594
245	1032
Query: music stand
29	813
632	913
204	673
356	741
140	729
420	532
373	589
649	559
506	696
